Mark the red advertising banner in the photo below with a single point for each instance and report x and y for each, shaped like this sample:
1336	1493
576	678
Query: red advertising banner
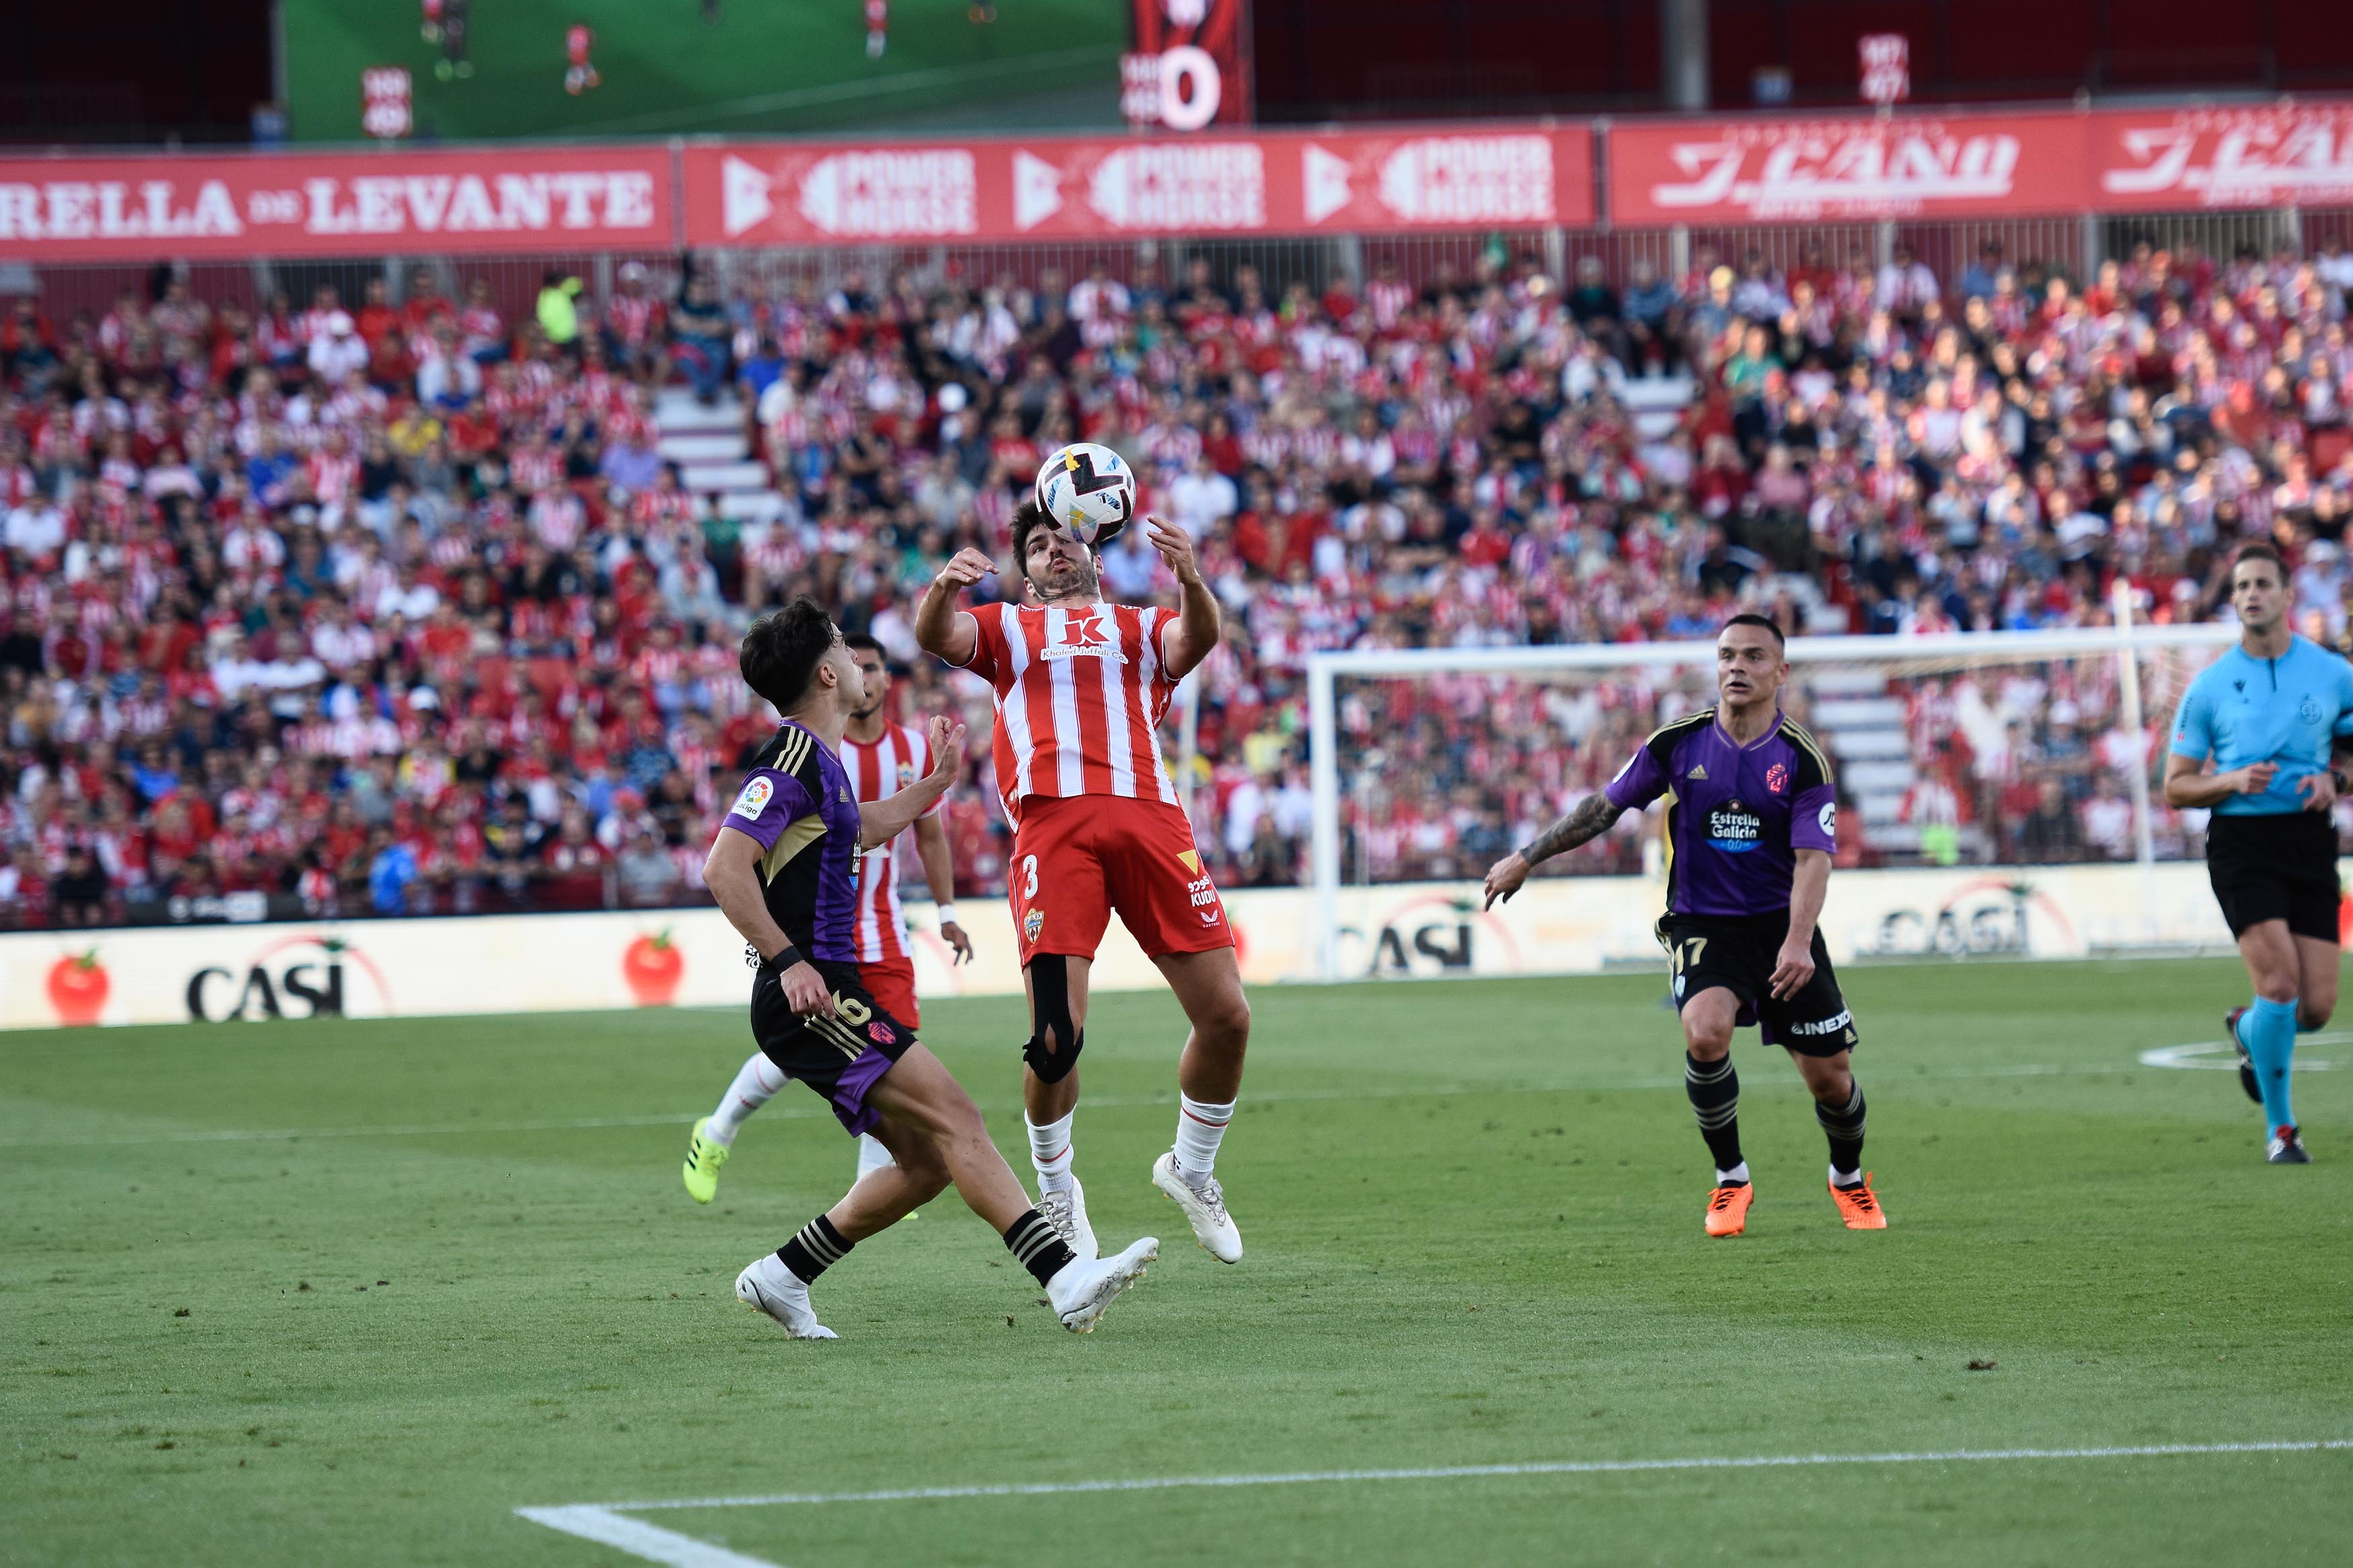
1287	183
508	200
1797	171
2161	160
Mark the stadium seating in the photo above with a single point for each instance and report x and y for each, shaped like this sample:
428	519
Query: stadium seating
406	611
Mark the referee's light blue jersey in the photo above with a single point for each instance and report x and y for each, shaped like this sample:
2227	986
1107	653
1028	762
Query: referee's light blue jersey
2241	710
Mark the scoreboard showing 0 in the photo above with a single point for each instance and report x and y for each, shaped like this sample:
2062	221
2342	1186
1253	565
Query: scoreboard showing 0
385	103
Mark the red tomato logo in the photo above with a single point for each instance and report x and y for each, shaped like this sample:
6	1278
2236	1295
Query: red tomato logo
78	988
653	966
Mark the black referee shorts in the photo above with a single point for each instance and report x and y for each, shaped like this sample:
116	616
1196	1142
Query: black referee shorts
2281	865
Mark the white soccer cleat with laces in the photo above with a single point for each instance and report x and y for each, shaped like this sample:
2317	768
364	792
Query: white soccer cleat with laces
1067	1213
1083	1288
1204	1209
767	1286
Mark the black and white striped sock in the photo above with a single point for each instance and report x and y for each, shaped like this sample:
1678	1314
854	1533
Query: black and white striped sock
1842	1125
1713	1089
817	1247
1040	1251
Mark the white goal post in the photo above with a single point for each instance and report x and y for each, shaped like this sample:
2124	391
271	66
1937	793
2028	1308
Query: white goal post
2124	642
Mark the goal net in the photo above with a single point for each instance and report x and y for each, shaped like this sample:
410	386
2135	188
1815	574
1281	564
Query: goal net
1952	752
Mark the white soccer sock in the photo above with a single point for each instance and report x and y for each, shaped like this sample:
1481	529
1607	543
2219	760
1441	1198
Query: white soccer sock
756	1082
871	1155
1738	1173
1200	1127
1844	1178
1049	1151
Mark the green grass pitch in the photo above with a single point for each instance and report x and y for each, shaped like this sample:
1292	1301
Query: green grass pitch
1473	1218
765	66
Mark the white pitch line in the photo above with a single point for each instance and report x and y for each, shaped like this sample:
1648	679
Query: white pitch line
604	1523
814	1112
638	1539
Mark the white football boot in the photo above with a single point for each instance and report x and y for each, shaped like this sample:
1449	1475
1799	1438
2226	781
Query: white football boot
1083	1288
1067	1213
1204	1209
767	1286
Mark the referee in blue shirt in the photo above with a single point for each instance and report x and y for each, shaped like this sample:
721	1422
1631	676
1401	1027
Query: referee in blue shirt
2268	713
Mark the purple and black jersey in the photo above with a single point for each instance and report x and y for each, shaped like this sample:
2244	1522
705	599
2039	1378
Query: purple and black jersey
1736	815
797	803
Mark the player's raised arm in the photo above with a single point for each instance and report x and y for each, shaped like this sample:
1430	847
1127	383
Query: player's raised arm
1589	820
880	821
941	629
1200	625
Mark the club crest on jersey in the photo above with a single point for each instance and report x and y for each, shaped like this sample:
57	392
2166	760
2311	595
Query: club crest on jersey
755	799
1086	634
880	1033
906	774
1777	777
2309	711
1032	923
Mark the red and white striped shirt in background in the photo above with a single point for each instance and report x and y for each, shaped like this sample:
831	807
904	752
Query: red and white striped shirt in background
1079	692
877	769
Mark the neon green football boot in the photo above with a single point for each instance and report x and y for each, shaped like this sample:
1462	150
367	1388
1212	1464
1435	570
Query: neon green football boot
705	1156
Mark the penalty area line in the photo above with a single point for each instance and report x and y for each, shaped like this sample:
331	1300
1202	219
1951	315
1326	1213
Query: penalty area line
607	1523
814	1112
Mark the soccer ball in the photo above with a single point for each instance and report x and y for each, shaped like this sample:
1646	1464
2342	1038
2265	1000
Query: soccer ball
1088	490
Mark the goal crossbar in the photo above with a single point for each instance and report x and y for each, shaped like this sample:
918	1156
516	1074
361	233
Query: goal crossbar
2125	641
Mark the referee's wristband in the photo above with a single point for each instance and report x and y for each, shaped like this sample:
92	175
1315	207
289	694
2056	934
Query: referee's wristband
947	915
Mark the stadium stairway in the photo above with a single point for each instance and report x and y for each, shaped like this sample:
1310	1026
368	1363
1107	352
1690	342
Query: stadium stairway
711	446
1862	722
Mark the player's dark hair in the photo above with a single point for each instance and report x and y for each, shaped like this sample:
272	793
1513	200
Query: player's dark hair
1750	619
865	642
781	651
1028	520
2259	549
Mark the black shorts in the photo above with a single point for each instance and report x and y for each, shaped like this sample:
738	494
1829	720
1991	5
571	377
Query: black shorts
2277	867
1738	954
840	1057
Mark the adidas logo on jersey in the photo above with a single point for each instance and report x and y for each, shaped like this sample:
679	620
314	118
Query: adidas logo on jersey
1698	771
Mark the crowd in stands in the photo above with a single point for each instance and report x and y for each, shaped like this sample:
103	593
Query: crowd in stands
392	604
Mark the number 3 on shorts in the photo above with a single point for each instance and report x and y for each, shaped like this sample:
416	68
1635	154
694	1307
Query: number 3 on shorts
1028	878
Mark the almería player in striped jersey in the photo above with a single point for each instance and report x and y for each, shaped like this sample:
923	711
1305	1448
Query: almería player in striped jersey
1080	687
1751	823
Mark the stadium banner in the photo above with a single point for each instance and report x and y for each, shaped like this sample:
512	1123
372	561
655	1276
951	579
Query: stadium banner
2179	160
1919	167
500	200
532	964
1287	183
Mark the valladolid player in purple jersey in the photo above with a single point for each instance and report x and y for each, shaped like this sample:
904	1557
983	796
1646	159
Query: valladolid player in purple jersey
784	869
1752	820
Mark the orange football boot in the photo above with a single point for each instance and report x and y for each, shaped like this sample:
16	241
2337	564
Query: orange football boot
1727	1209
1859	1207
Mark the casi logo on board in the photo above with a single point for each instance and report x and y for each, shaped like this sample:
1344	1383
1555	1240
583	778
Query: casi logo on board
308	974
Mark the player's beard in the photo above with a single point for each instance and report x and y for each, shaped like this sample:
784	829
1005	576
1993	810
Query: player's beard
1084	583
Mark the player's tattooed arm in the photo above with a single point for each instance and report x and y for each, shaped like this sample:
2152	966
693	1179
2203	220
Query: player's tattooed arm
1590	819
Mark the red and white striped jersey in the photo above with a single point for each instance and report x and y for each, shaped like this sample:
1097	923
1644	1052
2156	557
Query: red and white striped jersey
879	768
1079	691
